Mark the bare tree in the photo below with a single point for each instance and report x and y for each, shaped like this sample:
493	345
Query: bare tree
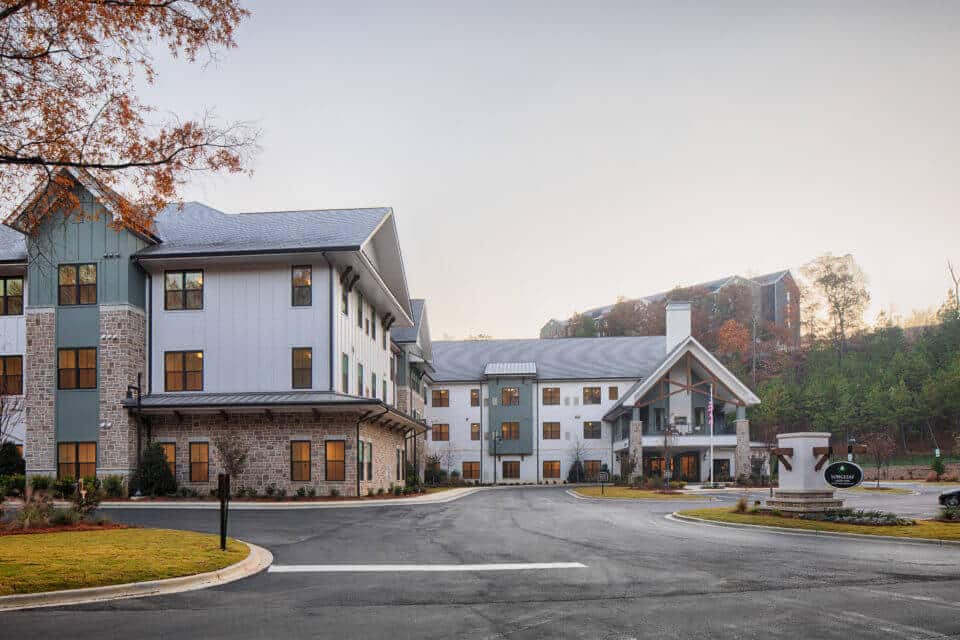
841	284
578	451
670	434
448	457
233	453
956	288
11	416
881	447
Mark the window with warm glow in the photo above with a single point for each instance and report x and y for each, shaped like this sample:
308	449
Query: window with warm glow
300	461
591	395
199	462
183	370
301	282
334	460
551	468
77	368
510	396
551	430
183	290
510	431
302	368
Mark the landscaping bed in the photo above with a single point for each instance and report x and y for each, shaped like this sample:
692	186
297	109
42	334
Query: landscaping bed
894	491
77	559
921	529
635	494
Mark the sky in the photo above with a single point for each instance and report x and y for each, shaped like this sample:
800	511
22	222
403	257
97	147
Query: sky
545	157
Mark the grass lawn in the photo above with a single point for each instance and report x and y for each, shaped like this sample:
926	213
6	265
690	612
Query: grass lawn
923	529
71	560
891	491
438	489
637	494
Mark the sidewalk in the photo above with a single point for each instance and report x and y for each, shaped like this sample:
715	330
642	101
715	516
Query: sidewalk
239	505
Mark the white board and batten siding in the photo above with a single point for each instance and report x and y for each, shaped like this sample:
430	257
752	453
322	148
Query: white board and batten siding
247	328
360	346
13	341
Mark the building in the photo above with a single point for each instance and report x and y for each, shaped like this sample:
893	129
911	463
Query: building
271	327
524	410
12	335
775	298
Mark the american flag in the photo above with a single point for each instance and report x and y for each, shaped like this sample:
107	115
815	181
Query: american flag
710	410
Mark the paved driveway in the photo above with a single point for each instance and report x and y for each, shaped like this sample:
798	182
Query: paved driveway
644	576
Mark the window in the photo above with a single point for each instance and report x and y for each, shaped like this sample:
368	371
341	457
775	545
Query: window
19	450
551	395
511	470
77	369
510	396
360	380
359	309
334	457
613	393
440	398
369	461
441	432
301	283
474	397
11	296
658	418
591	395
302	368
344	301
699	416
399	468
170	454
11	376
474	430
199	462
366	326
345	373
471	470
360	466
183	370
383	338
373	384
591	430
510	430
300	461
76	460
551	430
591	468
182	290
551	468
77	284
384	389
373	326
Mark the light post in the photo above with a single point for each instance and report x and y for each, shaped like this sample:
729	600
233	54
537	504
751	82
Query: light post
496	440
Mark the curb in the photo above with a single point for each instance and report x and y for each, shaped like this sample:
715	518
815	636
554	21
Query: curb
572	492
446	496
676	516
256	561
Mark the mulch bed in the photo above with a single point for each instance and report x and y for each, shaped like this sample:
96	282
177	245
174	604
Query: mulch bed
288	498
62	529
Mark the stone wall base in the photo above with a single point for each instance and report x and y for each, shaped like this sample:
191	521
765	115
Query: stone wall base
803	501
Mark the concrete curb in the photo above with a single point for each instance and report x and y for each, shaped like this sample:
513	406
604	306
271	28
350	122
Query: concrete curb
256	561
676	516
572	492
439	498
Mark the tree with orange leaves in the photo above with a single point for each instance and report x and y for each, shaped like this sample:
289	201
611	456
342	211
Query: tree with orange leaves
68	102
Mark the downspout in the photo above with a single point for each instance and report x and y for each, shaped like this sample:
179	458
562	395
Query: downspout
536	423
482	434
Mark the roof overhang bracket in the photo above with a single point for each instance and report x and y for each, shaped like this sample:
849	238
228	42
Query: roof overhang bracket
226	416
269	414
345	274
178	416
353	282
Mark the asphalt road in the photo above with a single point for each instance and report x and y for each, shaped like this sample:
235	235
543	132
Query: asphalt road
645	577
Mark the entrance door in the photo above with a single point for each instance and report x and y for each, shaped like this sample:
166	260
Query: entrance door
689	467
652	467
721	470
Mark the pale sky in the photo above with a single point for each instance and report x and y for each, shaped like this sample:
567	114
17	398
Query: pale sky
543	158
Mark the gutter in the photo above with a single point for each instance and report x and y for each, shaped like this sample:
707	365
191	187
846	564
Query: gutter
242	252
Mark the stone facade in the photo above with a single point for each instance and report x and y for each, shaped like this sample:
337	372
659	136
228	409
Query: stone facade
122	355
742	453
636	448
268	442
40	371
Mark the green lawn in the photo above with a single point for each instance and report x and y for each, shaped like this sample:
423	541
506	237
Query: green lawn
636	494
929	529
32	563
439	489
872	488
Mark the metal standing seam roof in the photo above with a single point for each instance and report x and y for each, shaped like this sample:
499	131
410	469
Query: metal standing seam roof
510	369
13	245
251	399
567	359
196	229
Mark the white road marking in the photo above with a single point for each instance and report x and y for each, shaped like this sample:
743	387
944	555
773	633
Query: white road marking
370	568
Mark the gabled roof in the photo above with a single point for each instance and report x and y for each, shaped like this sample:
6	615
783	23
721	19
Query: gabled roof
13	246
770	278
409	334
568	359
707	359
194	229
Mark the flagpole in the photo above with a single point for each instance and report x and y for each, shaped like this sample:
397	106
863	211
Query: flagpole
710	418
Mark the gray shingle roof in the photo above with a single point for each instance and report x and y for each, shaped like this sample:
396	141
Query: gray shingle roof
13	246
196	229
567	359
409	334
770	278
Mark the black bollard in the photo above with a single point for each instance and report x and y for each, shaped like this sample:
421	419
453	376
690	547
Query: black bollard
223	490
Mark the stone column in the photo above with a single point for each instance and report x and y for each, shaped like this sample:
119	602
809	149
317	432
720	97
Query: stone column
802	487
122	356
742	452
636	449
40	383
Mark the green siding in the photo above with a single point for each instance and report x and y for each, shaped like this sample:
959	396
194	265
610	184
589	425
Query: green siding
522	413
78	326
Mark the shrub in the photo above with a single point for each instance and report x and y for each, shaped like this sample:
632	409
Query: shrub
370	493
64	488
380	491
35	513
454	476
334	492
655	482
949	514
576	473
102	520
113	485
64	517
938	467
16	484
312	492
270	490
153	476
11	464
676	484
302	492
86	500
741	506
397	490
41	483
